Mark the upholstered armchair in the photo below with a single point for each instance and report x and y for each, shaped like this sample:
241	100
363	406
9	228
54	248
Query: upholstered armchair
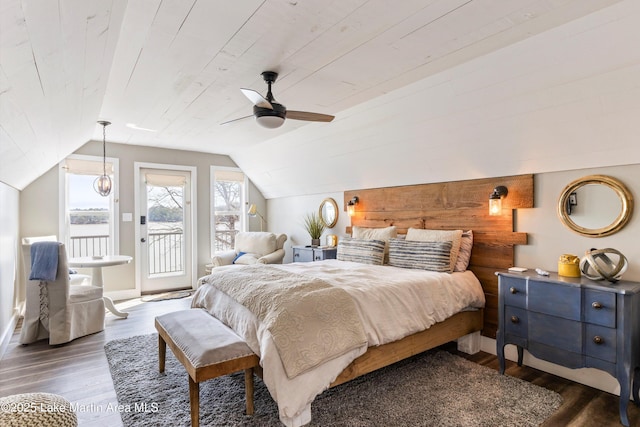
251	248
54	308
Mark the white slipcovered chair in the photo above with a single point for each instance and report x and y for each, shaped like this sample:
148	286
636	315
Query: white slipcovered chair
56	309
251	248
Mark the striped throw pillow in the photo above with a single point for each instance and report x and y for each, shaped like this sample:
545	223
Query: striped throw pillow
433	256
362	251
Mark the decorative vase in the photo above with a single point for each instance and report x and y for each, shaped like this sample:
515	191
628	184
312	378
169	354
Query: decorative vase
315	242
569	265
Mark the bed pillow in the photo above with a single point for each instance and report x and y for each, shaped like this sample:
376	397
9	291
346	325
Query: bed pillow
362	251
464	256
432	256
370	233
453	236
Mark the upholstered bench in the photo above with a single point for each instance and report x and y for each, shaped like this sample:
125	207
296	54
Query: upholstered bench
208	349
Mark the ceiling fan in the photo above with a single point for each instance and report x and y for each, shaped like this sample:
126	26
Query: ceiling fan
271	114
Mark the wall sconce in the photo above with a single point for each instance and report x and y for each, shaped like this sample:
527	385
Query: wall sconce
572	201
495	200
351	206
253	212
102	184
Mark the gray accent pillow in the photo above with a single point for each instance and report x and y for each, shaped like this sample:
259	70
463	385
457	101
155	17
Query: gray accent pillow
362	251
432	256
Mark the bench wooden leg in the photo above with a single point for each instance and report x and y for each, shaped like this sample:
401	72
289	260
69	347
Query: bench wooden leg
248	389
162	353
194	399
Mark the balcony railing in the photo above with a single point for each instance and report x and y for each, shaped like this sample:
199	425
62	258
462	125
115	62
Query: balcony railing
81	246
166	254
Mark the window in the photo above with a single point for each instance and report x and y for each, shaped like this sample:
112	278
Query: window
88	221
228	188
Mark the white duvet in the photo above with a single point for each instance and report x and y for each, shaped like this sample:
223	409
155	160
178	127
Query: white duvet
392	303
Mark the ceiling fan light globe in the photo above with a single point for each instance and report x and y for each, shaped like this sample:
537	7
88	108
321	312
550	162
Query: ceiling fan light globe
270	122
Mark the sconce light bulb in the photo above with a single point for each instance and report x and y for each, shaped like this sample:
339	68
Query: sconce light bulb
351	206
495	207
495	200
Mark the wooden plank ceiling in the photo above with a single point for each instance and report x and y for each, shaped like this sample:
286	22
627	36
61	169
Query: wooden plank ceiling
167	73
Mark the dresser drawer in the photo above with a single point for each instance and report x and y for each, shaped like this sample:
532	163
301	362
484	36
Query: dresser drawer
556	300
302	255
555	332
514	291
556	355
600	342
516	321
325	253
599	307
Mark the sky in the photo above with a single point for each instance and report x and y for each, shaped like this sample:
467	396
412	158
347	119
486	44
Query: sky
82	195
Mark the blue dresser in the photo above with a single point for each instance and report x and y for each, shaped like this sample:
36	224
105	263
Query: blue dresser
573	322
311	253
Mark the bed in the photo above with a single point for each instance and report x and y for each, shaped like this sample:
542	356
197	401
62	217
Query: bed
443	206
403	312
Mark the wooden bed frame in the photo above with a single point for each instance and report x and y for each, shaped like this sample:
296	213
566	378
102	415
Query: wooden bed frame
456	326
451	205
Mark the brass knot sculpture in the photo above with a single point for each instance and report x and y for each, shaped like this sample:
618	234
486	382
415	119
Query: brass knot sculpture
597	265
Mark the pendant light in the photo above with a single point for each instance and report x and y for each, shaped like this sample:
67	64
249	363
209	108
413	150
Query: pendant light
102	184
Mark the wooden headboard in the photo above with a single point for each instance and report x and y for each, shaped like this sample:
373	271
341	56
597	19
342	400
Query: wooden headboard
455	205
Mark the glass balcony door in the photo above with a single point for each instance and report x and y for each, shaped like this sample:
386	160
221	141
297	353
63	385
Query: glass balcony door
165	229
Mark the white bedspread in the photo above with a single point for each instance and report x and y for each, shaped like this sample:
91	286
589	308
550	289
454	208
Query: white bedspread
392	303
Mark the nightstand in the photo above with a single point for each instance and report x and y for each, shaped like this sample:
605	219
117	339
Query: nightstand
573	322
309	253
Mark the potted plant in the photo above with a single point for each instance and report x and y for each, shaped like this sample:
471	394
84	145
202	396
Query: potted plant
315	227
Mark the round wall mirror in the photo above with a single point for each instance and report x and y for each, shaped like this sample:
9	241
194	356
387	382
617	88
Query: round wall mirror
328	212
595	206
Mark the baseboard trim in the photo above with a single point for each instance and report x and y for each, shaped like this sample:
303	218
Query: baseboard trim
8	332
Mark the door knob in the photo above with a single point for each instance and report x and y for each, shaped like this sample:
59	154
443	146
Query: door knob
143	240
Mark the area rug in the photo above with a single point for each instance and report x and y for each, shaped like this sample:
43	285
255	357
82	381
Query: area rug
167	295
435	388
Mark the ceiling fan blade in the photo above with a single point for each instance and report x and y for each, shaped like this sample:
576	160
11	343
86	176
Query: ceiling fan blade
235	120
310	117
256	98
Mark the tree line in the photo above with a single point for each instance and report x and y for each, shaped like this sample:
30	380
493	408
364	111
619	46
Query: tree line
101	216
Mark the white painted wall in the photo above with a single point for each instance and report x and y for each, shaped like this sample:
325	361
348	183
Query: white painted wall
286	215
10	265
548	238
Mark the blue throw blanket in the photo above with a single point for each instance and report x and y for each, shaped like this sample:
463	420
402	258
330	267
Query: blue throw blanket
44	261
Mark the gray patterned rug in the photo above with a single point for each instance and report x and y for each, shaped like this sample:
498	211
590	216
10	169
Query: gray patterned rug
435	388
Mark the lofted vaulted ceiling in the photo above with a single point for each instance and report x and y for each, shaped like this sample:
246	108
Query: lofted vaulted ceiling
413	84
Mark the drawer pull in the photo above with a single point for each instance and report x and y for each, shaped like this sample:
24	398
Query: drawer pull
515	319
598	339
513	290
597	305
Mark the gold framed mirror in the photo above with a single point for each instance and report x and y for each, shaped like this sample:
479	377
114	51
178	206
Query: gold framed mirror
595	206
328	212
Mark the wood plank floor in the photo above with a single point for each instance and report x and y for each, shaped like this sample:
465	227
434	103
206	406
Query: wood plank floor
79	372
